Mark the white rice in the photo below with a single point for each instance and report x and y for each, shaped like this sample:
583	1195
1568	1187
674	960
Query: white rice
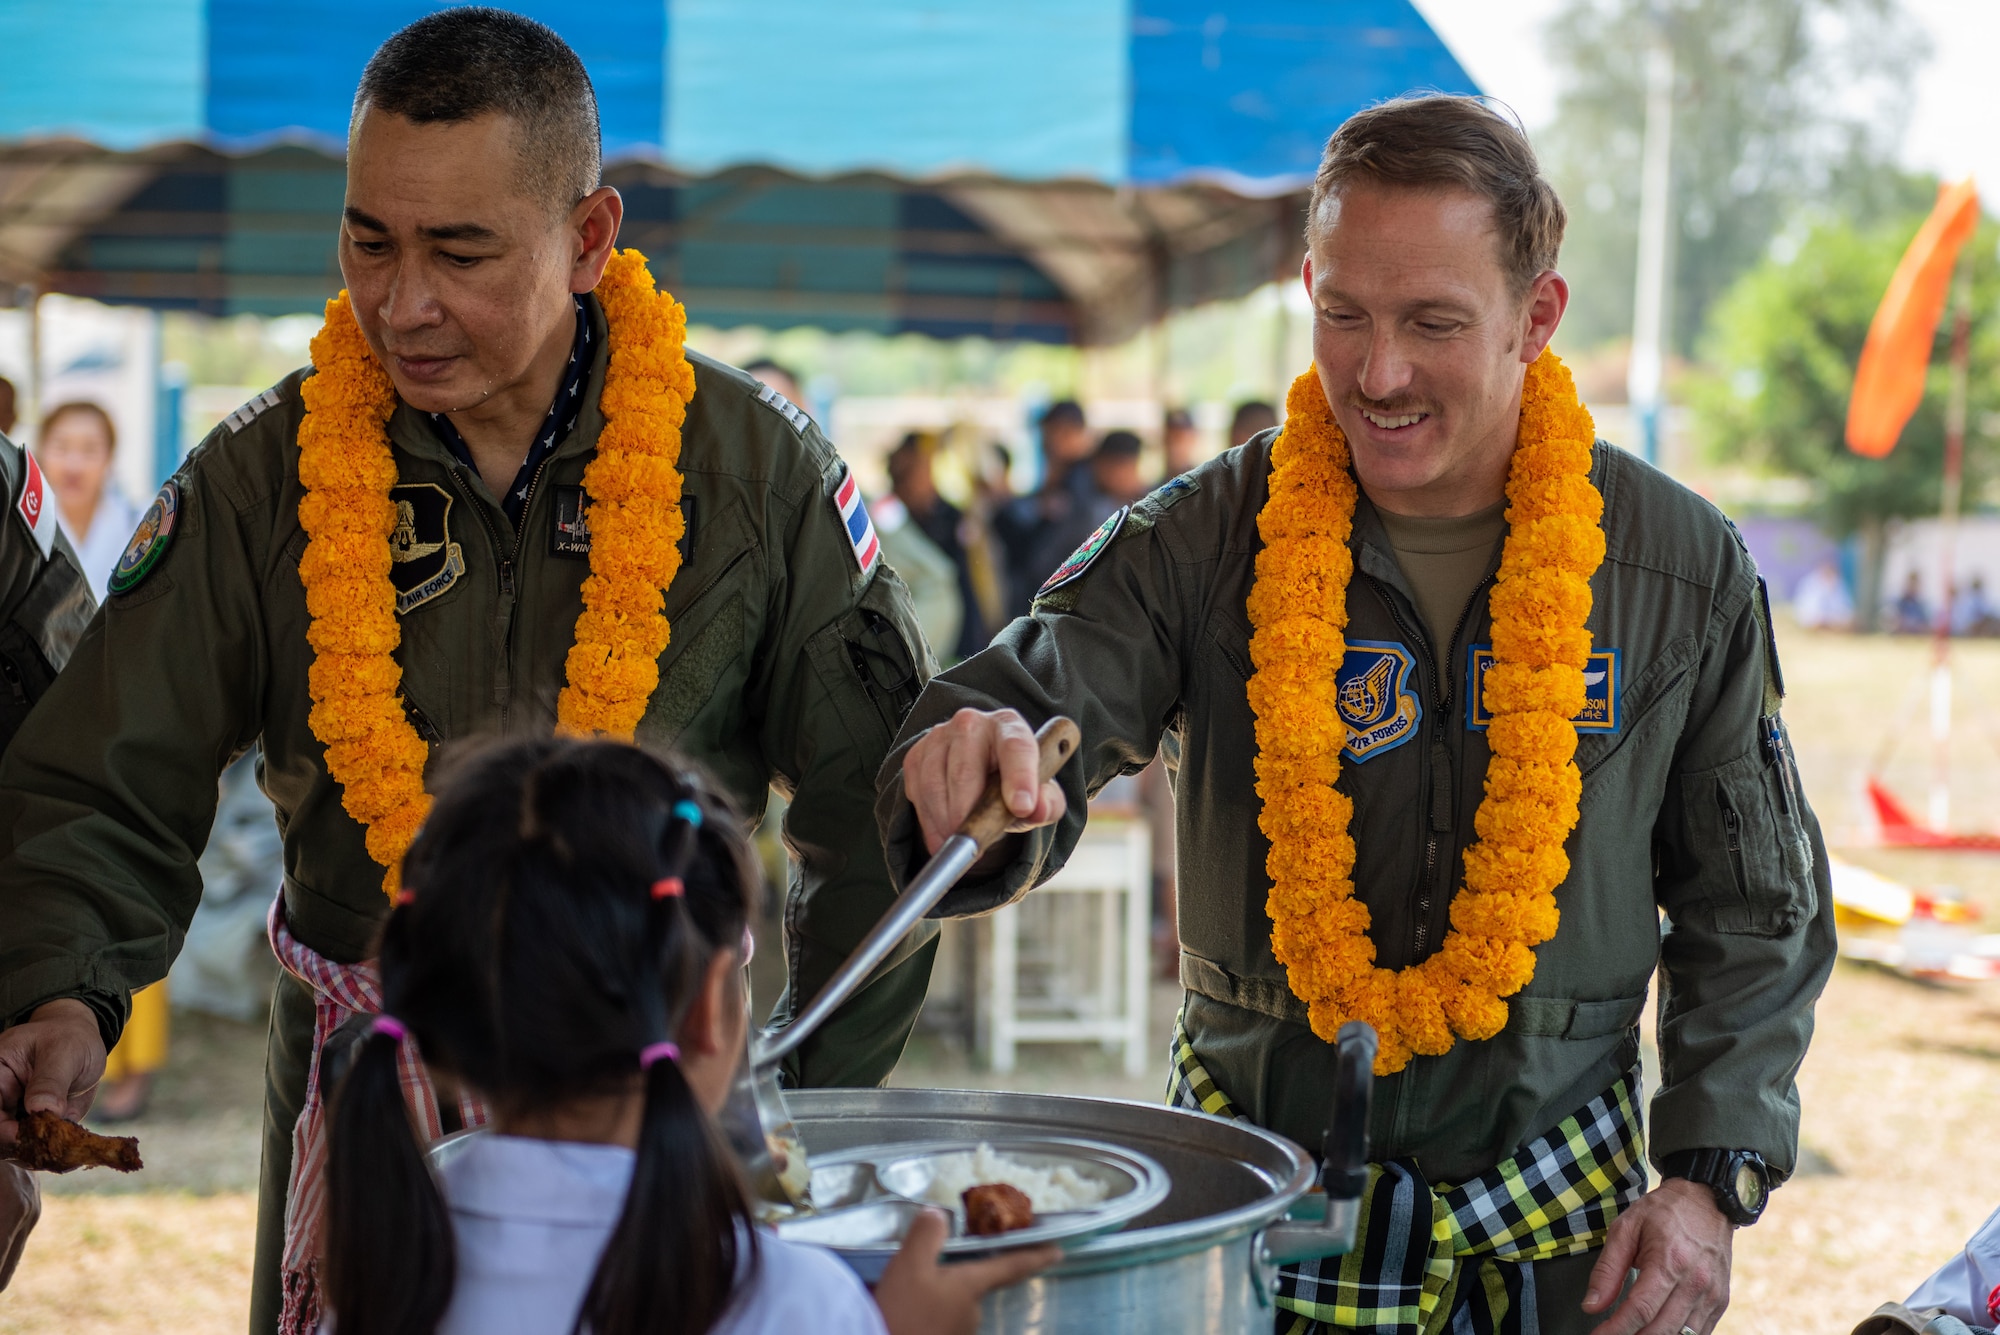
1049	1190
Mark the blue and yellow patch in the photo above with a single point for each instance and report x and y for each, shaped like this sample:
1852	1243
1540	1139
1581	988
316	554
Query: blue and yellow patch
1375	700
1602	679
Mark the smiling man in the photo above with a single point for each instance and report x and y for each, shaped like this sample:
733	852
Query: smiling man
475	233
1494	707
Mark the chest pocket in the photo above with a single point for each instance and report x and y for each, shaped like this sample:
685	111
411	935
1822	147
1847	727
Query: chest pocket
1743	823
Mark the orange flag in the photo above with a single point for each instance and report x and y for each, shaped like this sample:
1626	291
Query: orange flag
1889	383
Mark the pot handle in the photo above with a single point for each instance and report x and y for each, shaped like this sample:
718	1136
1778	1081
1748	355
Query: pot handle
1343	1173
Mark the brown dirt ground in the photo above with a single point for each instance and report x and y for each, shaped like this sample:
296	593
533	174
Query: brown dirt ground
1900	1080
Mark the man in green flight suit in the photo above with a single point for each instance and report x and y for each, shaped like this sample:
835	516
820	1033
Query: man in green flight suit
475	228
1509	1193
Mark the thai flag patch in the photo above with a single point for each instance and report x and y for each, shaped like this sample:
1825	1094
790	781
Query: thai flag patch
860	528
36	506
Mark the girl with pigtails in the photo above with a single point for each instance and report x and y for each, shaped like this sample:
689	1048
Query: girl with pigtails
570	949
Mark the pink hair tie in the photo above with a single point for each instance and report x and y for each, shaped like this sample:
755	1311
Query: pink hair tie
390	1025
652	1052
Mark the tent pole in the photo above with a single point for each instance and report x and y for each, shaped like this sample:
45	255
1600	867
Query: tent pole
31	411
1954	473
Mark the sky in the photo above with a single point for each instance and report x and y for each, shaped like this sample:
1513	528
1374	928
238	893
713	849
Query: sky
1954	127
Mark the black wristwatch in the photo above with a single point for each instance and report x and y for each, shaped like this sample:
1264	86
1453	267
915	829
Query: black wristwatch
1739	1179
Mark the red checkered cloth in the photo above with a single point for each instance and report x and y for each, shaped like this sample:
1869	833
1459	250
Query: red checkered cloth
339	991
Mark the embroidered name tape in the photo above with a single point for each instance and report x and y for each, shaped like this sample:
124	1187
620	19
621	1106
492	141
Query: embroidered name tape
35	506
1602	678
854	515
1372	692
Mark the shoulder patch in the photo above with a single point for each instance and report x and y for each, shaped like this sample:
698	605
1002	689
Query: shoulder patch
424	561
854	518
251	411
785	408
149	541
1092	548
1171	492
36	506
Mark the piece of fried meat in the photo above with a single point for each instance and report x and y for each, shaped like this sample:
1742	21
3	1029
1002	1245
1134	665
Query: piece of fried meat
997	1207
52	1144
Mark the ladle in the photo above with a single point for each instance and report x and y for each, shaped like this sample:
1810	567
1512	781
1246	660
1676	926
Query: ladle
755	1118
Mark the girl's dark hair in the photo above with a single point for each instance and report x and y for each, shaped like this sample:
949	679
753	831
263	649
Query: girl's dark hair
533	961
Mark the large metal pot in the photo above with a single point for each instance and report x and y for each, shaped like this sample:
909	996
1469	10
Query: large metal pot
1202	1262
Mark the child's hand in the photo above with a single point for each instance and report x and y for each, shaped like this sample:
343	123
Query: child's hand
918	1296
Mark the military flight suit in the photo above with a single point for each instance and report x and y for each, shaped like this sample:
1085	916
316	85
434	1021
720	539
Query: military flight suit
789	666
45	603
1691	806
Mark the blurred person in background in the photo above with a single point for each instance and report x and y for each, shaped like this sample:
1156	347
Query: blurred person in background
1821	600
1181	440
778	377
913	482
1910	614
933	579
1115	468
1039	530
1971	609
77	445
1250	418
9	413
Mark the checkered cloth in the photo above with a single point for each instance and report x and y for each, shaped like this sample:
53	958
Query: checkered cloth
339	991
1429	1258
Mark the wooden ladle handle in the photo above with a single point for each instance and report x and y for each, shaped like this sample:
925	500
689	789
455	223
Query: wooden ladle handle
1057	740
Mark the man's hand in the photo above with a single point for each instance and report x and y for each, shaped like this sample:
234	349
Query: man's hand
918	1296
20	1208
50	1063
1679	1241
946	772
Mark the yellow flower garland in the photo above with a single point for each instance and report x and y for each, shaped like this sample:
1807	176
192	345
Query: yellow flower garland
1540	604
633	490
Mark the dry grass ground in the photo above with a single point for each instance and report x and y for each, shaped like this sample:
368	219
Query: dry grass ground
1900	1082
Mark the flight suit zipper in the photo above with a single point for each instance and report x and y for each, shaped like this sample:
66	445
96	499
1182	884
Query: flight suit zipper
1441	803
508	554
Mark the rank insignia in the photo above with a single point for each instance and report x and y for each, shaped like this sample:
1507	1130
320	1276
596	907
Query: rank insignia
149	541
424	561
1602	678
1372	689
569	531
1092	548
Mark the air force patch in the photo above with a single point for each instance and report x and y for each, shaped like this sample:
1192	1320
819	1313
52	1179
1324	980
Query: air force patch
424	561
149	541
1602	678
1376	703
1092	548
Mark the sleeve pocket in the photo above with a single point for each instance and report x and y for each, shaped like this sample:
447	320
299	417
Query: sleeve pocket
1743	829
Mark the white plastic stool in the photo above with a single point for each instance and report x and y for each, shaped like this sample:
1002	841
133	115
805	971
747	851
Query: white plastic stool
1101	999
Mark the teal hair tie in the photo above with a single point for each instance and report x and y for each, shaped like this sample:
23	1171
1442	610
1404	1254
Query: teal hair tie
688	811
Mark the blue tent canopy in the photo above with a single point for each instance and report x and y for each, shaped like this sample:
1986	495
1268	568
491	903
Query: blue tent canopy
1048	169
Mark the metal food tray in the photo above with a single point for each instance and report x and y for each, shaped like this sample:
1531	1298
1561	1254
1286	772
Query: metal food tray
866	1197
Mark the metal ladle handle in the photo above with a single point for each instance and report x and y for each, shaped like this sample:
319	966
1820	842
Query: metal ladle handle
1057	741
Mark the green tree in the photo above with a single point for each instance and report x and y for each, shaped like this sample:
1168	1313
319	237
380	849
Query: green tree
1778	104
1778	368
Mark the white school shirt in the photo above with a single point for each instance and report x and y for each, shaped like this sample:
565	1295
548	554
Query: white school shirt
111	526
531	1218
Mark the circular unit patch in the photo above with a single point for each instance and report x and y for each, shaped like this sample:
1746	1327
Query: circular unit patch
149	541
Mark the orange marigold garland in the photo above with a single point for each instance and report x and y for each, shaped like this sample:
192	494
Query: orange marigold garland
633	489
1540	604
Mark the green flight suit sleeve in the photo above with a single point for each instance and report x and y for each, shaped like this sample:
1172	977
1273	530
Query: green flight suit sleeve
109	790
850	660
1743	879
1107	650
